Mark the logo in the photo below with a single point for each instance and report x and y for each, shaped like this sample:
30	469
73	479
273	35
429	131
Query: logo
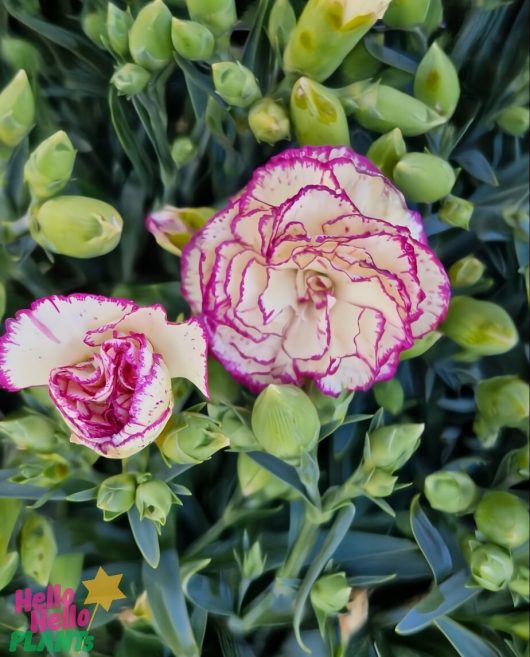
55	622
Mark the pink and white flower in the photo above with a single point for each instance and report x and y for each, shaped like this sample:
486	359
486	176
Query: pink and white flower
317	269
107	363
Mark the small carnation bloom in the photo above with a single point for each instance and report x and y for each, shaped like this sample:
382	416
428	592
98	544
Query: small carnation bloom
107	363
316	270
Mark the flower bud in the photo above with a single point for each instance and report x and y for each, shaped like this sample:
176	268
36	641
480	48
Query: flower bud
17	110
9	512
359	64
253	563
269	121
218	15
8	568
379	483
285	422
482	327
421	345
456	211
330	593
282	21
520	583
389	395
50	166
183	151
503	519
330	409
235	83
30	431
491	566
381	108
317	115
38	548
18	53
326	32
450	491
436	82
93	24
192	40
386	151
434	18
424	178
466	272
238	431
150	36
116	495
514	120
519	220
191	438
174	227
255	480
130	79
503	401
389	448
406	14
153	500
77	226
119	23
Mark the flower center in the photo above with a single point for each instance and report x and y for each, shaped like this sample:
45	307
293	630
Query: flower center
313	287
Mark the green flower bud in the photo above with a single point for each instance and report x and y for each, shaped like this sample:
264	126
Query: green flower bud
282	21
503	401
77	226
93	24
434	18
38	548
269	121
520	583
253	563
330	409
17	110
389	448
516	623
9	511
481	327
326	32
116	495
119	23
330	593
317	115
379	483
359	64
514	120
421	345
30	431
191	438
130	79
456	211
150	36
183	151
519	220
381	108
386	151
491	566
192	40
8	568
238	431
450	491
436	82
153	500
50	166
503	519
389	395
18	53
257	481
218	15
223	389
466	272
285	422
235	83
406	14
424	178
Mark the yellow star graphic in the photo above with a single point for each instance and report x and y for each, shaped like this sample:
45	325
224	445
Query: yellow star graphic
103	589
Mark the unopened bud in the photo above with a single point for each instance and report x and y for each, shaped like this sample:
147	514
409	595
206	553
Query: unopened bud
257	481
379	483
519	220
503	519
30	431
253	562
235	83
119	23
93	24
317	115
466	272
520	582
386	151
450	491
8	567
218	15
456	211
389	395
9	512
130	79
50	166
17	110
406	14
326	32
183	151
514	120
389	448
285	422
192	40
116	495
269	121
423	177
282	21
434	18
491	566
38	548
481	327
330	593
191	438
174	227
150	36
18	53
503	401
153	500
235	427
421	346
77	226
436	82
329	409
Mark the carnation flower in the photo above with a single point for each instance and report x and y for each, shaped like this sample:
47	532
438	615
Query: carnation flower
108	365
317	269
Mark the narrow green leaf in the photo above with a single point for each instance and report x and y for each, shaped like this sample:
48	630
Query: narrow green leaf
465	642
146	538
430	542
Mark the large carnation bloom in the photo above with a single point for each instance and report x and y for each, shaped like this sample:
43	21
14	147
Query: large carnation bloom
316	270
107	363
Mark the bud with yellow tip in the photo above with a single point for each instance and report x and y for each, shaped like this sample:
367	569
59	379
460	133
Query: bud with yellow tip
50	166
466	272
235	83
386	151
174	227
153	500
503	401
389	448
130	79
423	177
192	40
436	82
269	121
17	110
183	150
150	36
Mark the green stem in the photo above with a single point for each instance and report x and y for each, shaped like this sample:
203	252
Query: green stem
300	550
